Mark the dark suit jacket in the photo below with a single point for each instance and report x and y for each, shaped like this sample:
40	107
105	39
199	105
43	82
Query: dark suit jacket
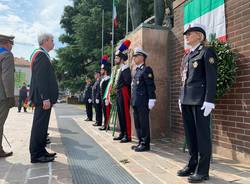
199	83
96	91
87	93
143	86
43	81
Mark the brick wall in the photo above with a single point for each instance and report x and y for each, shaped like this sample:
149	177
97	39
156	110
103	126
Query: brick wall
231	120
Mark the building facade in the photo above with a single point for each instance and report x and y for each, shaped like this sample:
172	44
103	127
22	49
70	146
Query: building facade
22	73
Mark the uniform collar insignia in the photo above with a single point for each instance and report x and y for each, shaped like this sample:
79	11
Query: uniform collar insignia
200	47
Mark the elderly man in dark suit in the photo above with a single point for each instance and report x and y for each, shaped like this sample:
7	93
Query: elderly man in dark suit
7	69
43	93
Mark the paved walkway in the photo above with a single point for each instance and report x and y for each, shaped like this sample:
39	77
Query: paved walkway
158	166
89	163
17	169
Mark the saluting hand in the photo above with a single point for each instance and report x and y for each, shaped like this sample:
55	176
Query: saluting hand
46	104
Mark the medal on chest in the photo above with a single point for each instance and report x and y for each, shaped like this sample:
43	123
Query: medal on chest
195	64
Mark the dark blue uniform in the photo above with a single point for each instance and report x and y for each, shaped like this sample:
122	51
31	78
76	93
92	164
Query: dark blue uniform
96	95
143	89
199	76
88	95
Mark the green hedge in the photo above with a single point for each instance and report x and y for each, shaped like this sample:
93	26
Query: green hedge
226	66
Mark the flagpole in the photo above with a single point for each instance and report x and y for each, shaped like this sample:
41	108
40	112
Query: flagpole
102	31
112	50
127	19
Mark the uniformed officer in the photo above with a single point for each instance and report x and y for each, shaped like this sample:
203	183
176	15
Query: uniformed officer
123	93
199	76
143	99
96	97
87	100
105	71
7	99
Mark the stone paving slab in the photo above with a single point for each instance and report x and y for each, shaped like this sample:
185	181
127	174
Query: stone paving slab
17	169
160	165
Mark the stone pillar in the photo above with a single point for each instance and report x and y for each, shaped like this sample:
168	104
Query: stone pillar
154	41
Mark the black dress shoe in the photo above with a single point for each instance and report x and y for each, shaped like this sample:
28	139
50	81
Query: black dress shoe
5	154
197	178
42	159
125	139
186	171
142	148
47	154
118	138
135	146
88	119
95	124
102	128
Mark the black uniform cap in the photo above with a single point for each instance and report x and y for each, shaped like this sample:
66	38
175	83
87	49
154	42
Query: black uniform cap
196	28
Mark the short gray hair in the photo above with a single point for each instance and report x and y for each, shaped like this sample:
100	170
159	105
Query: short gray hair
43	37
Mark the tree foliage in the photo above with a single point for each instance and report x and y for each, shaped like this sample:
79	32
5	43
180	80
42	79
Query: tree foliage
82	23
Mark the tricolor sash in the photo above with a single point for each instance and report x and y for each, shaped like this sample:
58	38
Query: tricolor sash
35	53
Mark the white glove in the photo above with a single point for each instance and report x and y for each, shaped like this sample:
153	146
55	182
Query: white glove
207	107
151	103
106	102
89	100
179	103
96	101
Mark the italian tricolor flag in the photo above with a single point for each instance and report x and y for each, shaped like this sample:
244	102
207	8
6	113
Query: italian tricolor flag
210	13
115	17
